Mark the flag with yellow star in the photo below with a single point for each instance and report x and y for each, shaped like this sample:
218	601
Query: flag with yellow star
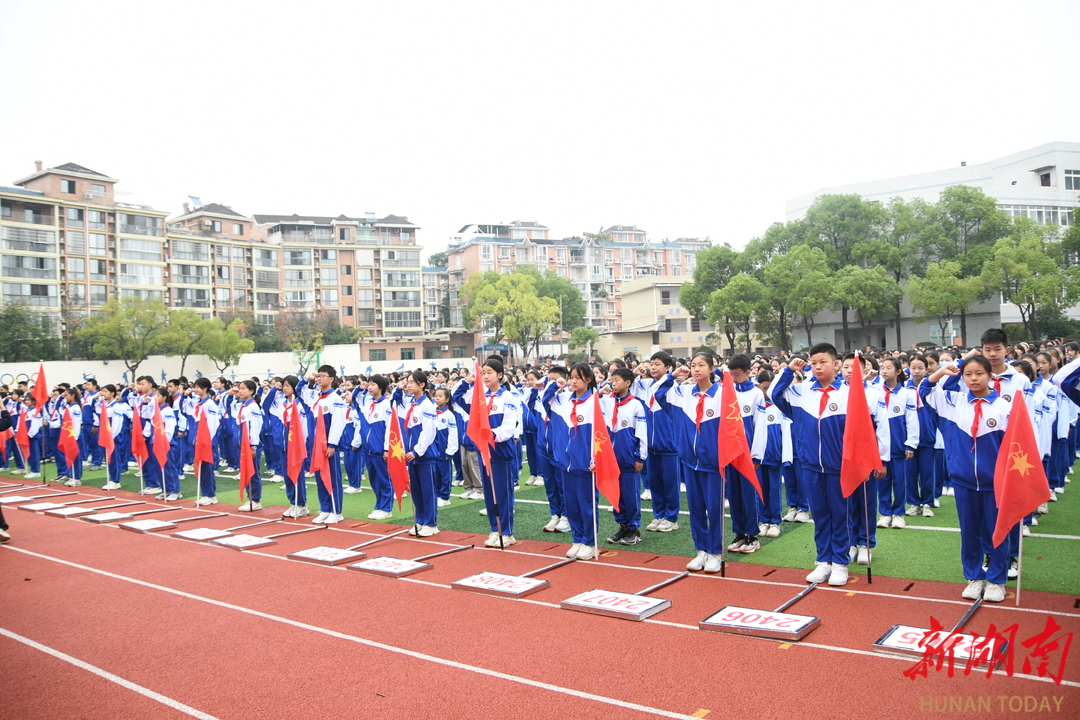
605	464
1020	484
69	437
395	464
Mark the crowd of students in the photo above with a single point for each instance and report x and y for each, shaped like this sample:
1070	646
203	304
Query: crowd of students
939	417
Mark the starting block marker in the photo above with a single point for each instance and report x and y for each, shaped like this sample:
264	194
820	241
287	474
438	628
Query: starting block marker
392	567
43	506
207	534
151	525
908	641
13	487
102	518
338	556
627	606
776	625
78	510
250	542
517	586
12	499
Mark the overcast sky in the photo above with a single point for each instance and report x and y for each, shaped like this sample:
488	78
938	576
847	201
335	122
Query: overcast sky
685	119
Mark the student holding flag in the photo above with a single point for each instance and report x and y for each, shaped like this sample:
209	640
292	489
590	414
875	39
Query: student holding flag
249	422
663	469
32	425
297	442
206	421
114	423
628	428
69	465
329	408
417	424
740	485
446	443
375	414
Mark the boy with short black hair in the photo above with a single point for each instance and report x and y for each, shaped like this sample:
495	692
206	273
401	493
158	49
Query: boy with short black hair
662	467
626	421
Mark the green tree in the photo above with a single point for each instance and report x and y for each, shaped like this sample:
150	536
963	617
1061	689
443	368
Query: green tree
131	330
550	285
493	300
871	293
583	336
531	323
438	259
265	337
970	224
715	267
187	329
26	336
1023	270
224	344
942	294
743	299
781	275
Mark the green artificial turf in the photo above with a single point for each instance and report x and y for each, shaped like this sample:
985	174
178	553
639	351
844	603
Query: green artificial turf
1050	564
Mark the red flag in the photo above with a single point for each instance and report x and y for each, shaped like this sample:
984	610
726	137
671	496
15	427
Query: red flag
319	462
395	464
105	438
5	435
1020	483
138	440
860	453
479	421
732	446
69	437
296	447
41	390
22	436
247	462
161	440
204	445
605	465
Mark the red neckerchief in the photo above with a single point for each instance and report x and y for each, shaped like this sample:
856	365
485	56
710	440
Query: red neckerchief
618	404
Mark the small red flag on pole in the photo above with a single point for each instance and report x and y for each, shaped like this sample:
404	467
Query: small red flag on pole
138	441
479	420
1020	484
860	455
105	438
605	464
297	448
22	436
732	446
319	462
41	389
204	445
69	437
247	462
395	464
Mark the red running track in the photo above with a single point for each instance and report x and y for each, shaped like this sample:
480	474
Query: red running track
241	635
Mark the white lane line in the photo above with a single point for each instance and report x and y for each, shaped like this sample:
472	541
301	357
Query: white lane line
145	692
363	641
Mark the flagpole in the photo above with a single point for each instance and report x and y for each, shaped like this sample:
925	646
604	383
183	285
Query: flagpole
595	515
494	499
723	547
869	556
1019	563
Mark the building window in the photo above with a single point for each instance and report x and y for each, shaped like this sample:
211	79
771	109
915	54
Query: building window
96	220
695	325
408	353
267	302
347	311
365	317
1072	179
132	274
238	255
74	217
297	257
266	258
76	268
215	225
97	244
376	355
402	320
461	351
223	297
328	255
75	241
328	276
99	295
343	233
183	250
266	280
346	290
665	297
365	257
67	187
97	190
223	273
144	294
1044	179
99	269
346	269
330	298
665	325
76	295
365	297
238	229
140	249
191	274
239	298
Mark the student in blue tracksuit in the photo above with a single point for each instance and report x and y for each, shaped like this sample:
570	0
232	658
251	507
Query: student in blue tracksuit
742	496
550	470
625	417
174	424
569	405
503	414
205	410
295	420
896	407
375	414
321	396
921	478
247	412
818	410
446	443
972	421
72	471
663	468
529	431
273	439
54	407
696	412
419	428
89	445
118	415
32	417
776	457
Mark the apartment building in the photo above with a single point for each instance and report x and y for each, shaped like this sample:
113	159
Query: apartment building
598	266
68	245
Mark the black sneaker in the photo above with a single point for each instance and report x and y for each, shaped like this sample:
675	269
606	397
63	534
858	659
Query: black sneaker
618	537
737	545
632	537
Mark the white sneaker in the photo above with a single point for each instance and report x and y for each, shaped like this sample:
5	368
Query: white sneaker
31	475
899	522
301	511
320	518
442	503
994	593
211	500
550	527
927	511
1053	497
820	573
973	591
150	491
73	482
863	555
802	517
289	512
380	515
538	481
912	511
1014	568
428	530
1043	509
682	487
667	526
839	575
654	525
173	497
773	531
350	490
790	517
509	540
884	521
484	512
698	563
1034	520
712	564
587	552
249	506
276	479
1025	531
564	525
571	553
647	495
529	480
937	503
492	541
333	518
17	471
414	530
762	528
189	468
1058	490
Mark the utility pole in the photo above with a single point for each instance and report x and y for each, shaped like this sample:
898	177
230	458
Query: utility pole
561	326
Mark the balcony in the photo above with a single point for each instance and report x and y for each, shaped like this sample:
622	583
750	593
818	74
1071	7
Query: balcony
27	216
129	229
37	274
401	263
401	303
